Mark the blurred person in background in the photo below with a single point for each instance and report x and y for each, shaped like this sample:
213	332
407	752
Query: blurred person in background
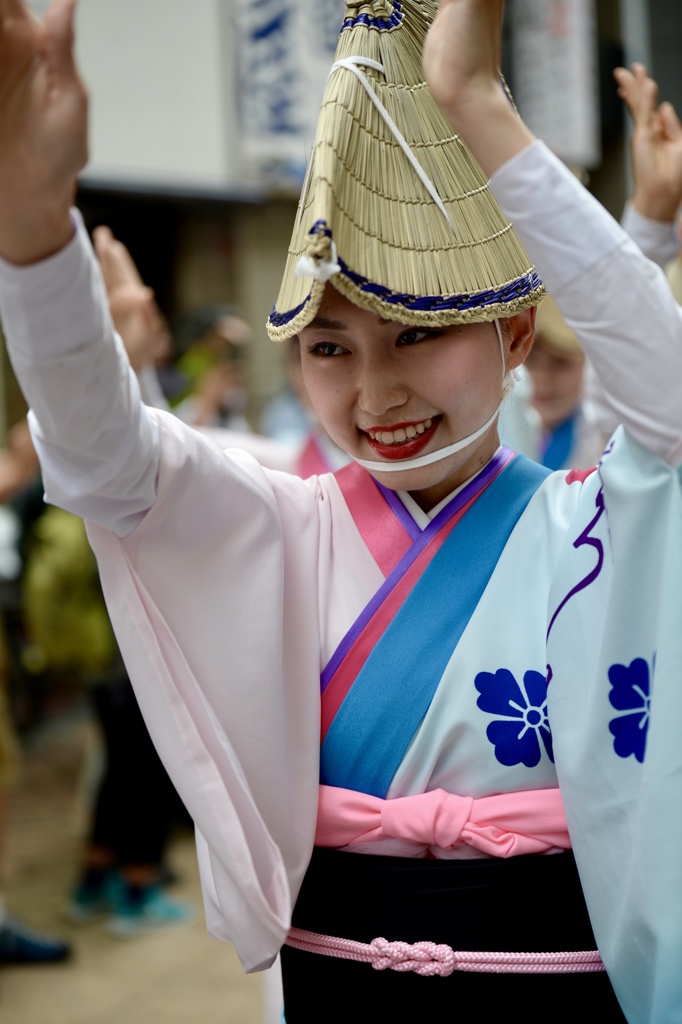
123	865
566	438
19	944
211	373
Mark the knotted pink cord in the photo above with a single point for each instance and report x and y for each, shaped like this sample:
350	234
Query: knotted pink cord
427	958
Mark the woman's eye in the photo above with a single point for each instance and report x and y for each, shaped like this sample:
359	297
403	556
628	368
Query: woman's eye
413	336
326	349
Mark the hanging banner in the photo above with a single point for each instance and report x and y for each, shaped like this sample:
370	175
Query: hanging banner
285	50
555	75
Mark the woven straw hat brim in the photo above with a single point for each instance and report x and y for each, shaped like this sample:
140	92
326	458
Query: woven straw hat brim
399	256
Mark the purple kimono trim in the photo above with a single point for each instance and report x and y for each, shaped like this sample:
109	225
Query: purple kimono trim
383	24
499	459
399	511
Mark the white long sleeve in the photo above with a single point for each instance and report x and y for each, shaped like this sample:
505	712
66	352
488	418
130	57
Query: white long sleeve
659	243
657	239
618	302
97	445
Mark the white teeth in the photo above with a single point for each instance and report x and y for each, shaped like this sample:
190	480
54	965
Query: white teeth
400	435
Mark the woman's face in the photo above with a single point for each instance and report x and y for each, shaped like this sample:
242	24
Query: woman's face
557	380
388	392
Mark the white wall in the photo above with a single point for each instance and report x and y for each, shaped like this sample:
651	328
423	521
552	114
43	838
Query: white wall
162	92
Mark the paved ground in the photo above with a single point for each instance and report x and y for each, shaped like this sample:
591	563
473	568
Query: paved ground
176	976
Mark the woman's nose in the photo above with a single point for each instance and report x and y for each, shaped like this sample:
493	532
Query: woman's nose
379	391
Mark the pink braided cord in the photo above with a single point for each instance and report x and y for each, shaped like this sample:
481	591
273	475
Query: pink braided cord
427	958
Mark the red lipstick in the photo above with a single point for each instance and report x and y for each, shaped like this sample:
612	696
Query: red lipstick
402	449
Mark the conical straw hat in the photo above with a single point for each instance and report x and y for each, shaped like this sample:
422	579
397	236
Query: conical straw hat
414	236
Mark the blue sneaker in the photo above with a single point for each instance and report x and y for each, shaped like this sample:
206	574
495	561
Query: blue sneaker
21	945
91	900
138	909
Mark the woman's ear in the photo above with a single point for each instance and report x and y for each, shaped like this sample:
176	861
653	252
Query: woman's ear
520	331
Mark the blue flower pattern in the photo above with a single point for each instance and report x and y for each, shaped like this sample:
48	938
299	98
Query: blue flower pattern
522	711
631	693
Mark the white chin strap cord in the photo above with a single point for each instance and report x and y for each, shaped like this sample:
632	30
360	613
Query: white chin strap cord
457	446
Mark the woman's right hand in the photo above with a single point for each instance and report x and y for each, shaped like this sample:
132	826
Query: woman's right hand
43	130
461	65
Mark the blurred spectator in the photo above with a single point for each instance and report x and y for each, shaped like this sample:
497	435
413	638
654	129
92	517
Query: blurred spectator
211	373
18	943
566	437
123	862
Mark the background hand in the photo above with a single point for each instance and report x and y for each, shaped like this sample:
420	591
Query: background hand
43	129
656	147
132	305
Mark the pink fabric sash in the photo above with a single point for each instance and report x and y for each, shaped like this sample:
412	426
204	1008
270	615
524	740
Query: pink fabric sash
506	825
383	533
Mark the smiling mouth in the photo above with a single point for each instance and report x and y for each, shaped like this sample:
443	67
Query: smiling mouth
404	441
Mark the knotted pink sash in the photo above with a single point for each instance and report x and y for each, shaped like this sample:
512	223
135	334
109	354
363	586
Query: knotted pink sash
506	825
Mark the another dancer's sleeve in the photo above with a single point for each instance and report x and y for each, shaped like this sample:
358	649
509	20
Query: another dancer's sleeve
617	301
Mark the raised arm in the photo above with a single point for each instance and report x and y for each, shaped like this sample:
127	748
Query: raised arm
618	303
97	444
461	64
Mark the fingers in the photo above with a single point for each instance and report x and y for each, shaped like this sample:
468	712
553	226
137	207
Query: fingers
59	30
672	126
101	236
118	268
639	92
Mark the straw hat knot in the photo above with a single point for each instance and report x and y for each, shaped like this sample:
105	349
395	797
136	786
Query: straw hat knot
320	259
377	8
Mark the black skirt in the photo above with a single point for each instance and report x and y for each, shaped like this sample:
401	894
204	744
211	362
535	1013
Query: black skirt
521	904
